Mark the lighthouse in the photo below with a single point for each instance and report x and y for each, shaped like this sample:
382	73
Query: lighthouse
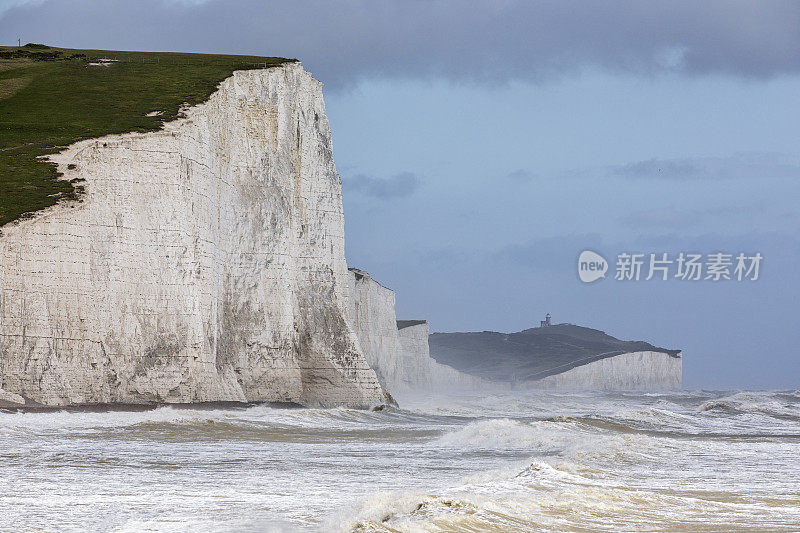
546	322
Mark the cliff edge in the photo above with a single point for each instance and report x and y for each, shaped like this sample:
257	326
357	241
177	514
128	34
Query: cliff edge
560	356
397	349
205	263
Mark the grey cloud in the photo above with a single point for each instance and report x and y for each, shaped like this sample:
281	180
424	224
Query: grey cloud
521	175
683	219
737	166
664	218
397	186
553	254
8	4
658	168
493	42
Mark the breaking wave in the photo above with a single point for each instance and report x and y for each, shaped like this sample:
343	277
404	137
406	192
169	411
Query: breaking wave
505	433
772	404
506	461
666	463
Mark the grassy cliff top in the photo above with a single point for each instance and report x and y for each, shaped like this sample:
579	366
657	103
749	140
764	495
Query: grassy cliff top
53	97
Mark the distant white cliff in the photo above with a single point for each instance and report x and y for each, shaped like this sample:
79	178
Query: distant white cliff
423	372
397	350
373	319
648	371
559	356
206	263
556	357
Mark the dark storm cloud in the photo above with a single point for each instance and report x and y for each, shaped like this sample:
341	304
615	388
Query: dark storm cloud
495	42
398	186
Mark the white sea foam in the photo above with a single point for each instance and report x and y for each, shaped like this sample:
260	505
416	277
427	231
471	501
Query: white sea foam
71	421
514	461
753	402
504	433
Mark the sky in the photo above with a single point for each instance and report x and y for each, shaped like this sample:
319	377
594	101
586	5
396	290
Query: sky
484	145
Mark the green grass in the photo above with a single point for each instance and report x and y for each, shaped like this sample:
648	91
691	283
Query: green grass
52	97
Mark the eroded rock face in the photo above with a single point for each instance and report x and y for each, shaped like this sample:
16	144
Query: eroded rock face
422	371
374	322
206	263
400	357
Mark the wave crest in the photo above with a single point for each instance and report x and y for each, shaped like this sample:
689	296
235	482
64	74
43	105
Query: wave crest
504	433
752	402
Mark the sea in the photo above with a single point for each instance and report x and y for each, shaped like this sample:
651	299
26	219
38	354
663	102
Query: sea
508	461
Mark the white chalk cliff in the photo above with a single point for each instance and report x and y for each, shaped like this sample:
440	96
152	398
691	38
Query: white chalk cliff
421	371
205	263
648	371
373	319
397	351
559	356
400	354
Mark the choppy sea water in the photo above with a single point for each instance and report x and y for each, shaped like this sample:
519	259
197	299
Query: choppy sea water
511	461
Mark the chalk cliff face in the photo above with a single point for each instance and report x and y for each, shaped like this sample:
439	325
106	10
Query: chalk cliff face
373	318
206	263
629	371
400	357
423	372
562	356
